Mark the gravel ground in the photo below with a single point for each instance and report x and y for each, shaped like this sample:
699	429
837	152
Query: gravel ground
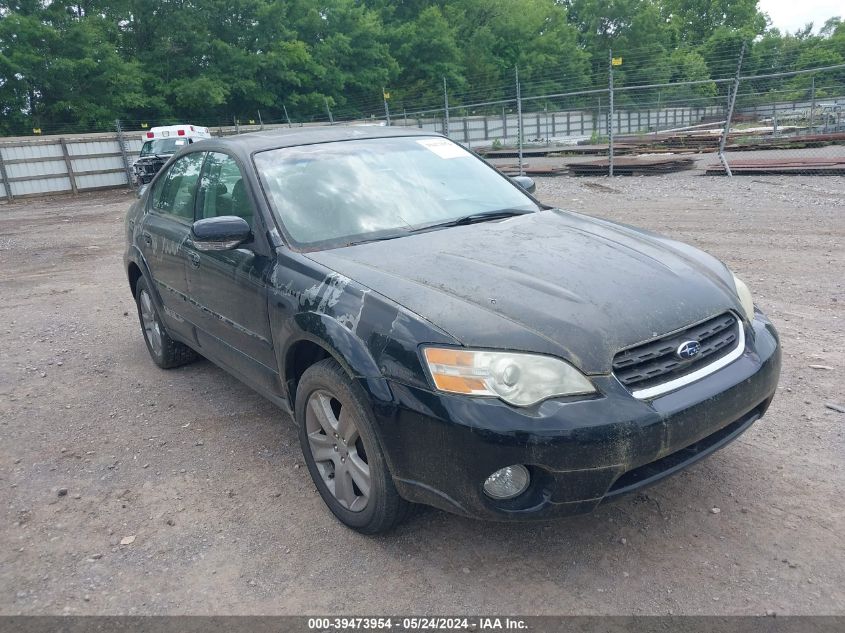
129	490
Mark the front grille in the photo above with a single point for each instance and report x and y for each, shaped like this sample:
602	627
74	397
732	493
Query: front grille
656	362
150	166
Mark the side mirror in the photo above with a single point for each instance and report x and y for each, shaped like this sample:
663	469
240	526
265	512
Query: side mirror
222	233
526	183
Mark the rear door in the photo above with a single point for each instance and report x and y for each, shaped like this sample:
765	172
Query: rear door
165	229
228	289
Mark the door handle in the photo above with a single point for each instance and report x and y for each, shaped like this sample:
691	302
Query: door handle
195	259
147	238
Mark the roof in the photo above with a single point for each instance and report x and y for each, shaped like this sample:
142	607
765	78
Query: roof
289	137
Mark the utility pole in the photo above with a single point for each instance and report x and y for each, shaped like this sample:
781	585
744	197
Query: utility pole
610	113
519	121
385	95
731	103
329	110
285	108
445	108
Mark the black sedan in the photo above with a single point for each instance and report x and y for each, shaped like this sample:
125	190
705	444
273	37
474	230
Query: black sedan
438	335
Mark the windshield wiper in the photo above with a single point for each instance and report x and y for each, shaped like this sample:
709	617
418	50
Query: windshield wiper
383	238
473	219
461	221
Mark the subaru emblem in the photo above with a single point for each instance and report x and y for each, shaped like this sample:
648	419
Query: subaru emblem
688	350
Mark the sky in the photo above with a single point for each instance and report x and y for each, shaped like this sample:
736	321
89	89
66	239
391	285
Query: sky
790	15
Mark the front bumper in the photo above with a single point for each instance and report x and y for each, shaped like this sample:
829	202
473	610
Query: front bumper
442	447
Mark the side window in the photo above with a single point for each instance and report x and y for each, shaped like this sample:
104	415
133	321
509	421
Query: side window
222	189
175	195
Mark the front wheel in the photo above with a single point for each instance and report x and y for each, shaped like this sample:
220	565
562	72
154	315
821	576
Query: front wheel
342	451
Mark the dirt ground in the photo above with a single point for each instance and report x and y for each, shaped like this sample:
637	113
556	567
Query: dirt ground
205	478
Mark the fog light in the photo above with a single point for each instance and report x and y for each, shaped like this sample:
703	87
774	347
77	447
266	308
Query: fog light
508	482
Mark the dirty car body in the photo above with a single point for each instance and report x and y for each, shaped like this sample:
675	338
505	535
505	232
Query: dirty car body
666	358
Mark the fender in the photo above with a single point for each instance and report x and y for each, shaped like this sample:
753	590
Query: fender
347	349
137	257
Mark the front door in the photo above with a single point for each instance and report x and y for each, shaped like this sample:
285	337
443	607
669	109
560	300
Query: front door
228	289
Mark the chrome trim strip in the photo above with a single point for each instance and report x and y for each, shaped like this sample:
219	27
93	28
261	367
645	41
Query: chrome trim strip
724	361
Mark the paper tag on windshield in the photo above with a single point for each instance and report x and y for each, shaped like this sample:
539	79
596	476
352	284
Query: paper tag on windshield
444	148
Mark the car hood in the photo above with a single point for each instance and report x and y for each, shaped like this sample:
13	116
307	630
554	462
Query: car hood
551	282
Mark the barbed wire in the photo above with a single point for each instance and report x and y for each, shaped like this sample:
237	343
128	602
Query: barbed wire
486	96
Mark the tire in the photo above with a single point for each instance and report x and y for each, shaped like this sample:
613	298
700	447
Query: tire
349	468
165	352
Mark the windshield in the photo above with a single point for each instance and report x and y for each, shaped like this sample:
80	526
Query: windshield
163	146
333	194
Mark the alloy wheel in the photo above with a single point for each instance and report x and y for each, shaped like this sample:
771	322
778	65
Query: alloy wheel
338	450
152	329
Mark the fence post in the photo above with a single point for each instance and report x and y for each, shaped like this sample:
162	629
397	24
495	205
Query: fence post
486	129
595	120
656	125
812	103
504	126
5	177
445	109
731	103
519	121
69	166
466	131
386	108
610	113
121	142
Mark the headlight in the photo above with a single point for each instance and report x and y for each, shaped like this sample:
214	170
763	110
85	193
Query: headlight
519	379
745	299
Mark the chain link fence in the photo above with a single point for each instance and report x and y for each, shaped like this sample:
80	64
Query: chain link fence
790	122
787	123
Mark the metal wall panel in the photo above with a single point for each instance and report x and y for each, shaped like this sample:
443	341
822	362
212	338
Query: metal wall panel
35	168
77	148
31	151
44	185
101	180
81	165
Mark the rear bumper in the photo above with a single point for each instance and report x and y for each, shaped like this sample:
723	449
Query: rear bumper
441	448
